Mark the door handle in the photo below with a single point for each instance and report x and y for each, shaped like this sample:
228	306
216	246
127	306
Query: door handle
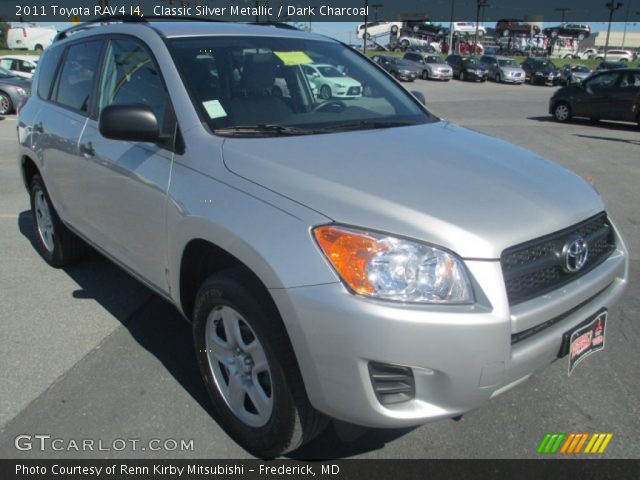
87	150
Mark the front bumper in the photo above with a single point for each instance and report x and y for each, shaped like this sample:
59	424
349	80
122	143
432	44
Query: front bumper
461	356
407	76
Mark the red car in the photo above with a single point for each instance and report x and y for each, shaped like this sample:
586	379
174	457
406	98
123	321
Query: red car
507	27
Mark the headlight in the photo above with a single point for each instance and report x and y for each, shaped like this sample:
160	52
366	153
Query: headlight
21	91
339	85
389	268
539	73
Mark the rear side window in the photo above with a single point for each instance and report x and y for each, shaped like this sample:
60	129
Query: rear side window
48	66
75	83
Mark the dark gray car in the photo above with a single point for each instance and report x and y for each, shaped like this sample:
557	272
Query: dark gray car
12	91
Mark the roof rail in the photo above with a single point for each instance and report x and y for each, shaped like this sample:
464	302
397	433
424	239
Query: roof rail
282	25
94	21
146	20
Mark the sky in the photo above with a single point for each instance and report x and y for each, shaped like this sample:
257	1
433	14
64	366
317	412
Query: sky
345	31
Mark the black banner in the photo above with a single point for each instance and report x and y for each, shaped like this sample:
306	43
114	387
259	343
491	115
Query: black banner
317	10
338	470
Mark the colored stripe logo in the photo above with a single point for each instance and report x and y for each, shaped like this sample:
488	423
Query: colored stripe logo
573	443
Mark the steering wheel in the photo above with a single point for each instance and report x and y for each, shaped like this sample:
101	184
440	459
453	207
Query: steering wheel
335	105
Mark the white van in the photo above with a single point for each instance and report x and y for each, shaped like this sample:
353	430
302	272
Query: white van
30	37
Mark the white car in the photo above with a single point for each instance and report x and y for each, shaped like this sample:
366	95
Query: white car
617	56
468	27
375	29
20	65
331	82
30	37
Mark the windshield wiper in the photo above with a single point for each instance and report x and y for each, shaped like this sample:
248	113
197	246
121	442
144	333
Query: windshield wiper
264	129
366	125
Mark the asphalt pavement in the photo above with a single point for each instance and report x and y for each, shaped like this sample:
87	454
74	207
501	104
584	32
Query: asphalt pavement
87	354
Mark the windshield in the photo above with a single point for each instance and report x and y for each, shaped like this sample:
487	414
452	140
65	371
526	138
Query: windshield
269	82
470	62
434	59
4	73
330	72
580	68
546	65
508	63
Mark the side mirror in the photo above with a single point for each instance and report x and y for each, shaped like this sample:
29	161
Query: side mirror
419	96
136	123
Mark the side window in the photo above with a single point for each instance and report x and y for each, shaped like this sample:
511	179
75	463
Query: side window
602	82
27	67
6	63
130	77
75	83
46	71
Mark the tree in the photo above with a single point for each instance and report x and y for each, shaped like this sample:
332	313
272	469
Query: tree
4	28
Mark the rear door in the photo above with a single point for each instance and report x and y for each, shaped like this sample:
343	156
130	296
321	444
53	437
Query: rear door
623	96
60	124
125	198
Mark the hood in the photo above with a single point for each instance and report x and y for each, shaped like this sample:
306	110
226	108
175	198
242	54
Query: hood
440	66
439	183
348	81
512	69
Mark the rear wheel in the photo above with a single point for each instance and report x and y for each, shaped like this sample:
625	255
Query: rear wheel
38	48
57	245
249	367
562	112
6	107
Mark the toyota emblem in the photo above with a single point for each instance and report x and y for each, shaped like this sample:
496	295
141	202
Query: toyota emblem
575	254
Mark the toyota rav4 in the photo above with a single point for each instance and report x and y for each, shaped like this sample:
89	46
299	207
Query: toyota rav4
327	269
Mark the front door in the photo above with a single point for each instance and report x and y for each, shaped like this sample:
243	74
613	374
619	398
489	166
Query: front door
126	198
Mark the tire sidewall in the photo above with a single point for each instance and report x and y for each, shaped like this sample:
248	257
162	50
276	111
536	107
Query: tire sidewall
53	257
276	435
9	102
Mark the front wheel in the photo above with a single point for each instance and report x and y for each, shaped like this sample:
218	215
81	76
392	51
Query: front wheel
562	112
325	92
249	368
425	75
498	78
462	76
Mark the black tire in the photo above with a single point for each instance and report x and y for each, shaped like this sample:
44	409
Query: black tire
394	29
498	78
462	76
66	247
293	421
325	92
38	48
6	105
562	112
425	74
581	36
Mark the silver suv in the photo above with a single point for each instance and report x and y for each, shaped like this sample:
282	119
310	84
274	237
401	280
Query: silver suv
327	271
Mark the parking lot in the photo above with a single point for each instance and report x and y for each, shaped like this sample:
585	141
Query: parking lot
89	353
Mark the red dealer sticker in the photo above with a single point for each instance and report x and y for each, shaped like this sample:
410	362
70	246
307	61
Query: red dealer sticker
587	339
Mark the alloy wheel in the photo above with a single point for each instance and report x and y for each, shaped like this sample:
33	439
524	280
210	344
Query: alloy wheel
239	366
44	220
